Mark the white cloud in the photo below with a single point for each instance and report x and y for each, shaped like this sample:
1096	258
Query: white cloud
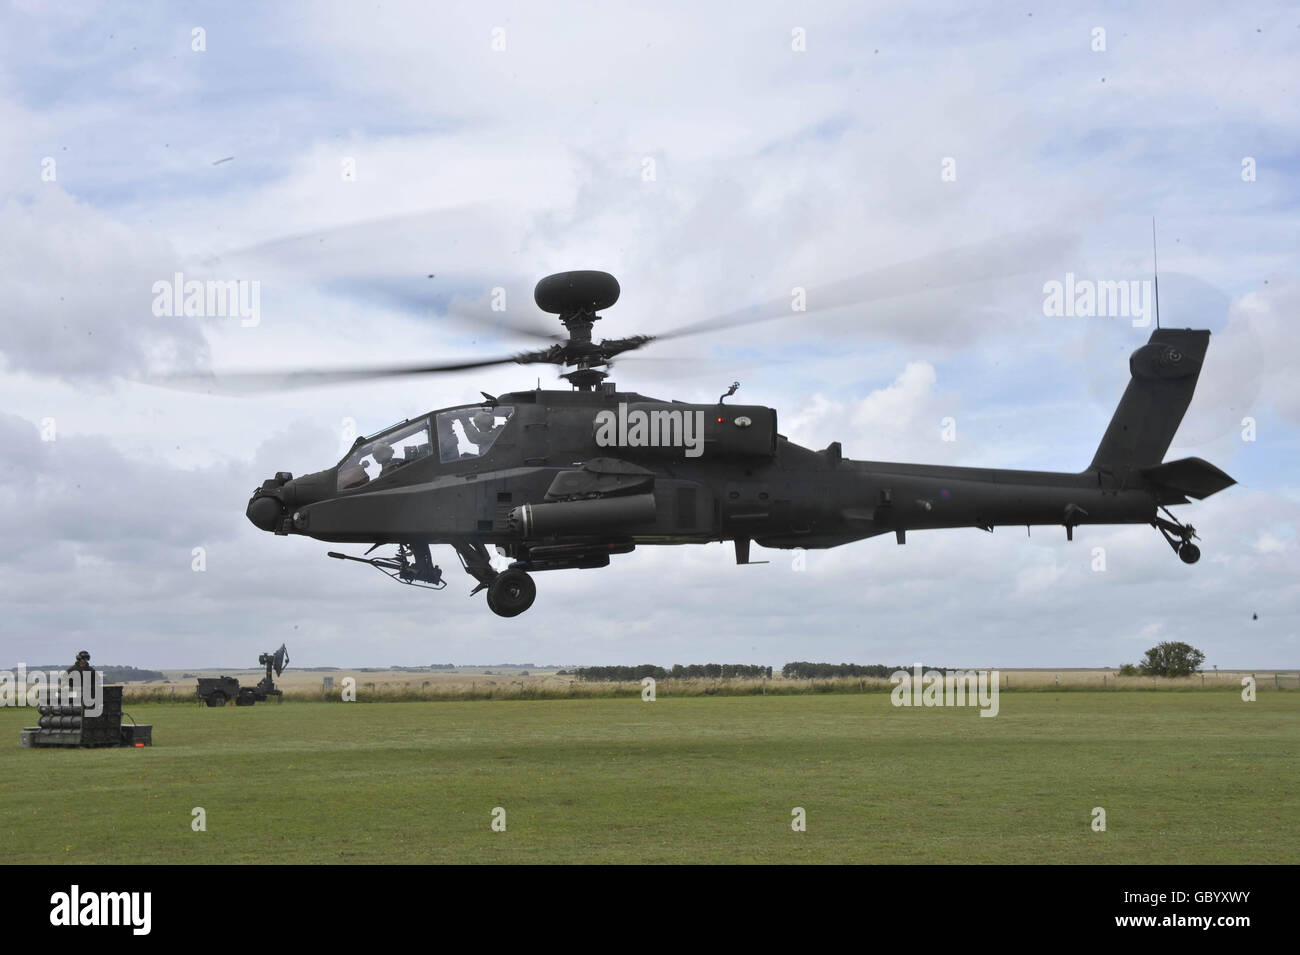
773	169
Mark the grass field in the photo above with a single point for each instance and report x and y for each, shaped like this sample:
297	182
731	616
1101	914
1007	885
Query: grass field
1183	777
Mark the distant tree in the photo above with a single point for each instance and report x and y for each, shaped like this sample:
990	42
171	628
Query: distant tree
692	671
1128	669
1172	658
821	671
128	674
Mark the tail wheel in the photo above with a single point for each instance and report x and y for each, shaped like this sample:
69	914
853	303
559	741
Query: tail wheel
511	593
1178	536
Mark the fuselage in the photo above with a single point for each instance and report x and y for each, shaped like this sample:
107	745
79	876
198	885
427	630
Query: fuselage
736	478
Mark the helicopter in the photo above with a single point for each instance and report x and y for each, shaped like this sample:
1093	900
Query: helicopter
568	479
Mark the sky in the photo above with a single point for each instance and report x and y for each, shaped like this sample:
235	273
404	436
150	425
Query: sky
374	168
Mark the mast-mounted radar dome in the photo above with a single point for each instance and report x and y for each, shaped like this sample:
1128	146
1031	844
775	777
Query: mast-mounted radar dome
567	292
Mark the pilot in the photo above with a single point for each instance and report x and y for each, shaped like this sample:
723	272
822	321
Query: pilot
448	446
353	475
481	428
384	455
82	663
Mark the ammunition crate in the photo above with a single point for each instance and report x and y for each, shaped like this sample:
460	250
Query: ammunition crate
69	725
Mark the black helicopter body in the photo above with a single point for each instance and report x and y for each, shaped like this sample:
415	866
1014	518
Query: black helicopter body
566	479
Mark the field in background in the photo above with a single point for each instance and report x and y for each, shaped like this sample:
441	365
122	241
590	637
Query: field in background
515	683
1183	778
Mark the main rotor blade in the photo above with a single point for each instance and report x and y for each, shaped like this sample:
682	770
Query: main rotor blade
412	274
254	382
336	247
498	308
1013	254
480	304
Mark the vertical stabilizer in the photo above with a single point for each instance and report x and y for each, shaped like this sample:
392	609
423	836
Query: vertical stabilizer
1164	373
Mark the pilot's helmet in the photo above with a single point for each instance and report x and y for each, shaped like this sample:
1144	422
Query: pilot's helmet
383	453
484	420
83	654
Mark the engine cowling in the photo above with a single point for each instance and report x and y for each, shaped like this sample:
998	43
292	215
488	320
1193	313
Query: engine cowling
679	431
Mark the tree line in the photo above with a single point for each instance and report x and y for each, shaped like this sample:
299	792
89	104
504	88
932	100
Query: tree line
728	671
824	671
692	671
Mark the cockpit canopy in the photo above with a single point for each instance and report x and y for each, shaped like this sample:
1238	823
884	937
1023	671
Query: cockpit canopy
463	433
384	454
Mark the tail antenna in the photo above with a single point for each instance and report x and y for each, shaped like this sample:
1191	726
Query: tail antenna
1155	269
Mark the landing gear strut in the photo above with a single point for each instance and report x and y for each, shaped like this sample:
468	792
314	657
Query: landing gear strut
474	558
1179	536
509	592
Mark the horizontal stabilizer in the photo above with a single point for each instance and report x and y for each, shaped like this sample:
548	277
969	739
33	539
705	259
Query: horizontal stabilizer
1191	476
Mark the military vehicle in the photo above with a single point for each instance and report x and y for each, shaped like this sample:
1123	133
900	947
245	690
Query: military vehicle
557	479
219	690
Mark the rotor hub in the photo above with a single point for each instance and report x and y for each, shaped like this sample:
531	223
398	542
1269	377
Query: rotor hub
576	297
585	379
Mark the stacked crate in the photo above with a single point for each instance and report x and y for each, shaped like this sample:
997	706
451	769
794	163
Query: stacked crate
67	724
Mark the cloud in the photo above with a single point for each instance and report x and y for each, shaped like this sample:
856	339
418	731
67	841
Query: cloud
76	293
771	169
901	421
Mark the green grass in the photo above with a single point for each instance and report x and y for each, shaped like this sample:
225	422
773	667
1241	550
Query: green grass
1183	777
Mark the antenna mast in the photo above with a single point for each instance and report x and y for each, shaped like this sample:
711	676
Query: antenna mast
1155	269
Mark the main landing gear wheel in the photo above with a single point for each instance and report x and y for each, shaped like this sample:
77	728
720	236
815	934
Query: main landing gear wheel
511	593
1189	553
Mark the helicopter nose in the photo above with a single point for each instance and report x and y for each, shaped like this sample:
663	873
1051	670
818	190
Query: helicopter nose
265	512
276	497
266	507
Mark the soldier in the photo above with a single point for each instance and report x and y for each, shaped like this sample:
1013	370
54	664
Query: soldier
481	429
448	444
383	453
85	672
